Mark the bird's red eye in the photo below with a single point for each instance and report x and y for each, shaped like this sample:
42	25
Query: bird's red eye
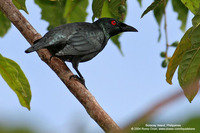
113	22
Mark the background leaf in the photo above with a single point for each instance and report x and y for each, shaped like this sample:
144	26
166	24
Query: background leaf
158	9
75	10
158	14
114	8
189	69
175	60
110	9
192	5
4	24
155	4
182	11
20	4
196	21
52	12
17	81
97	6
115	40
140	2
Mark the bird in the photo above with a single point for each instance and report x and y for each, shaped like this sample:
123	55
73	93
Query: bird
80	41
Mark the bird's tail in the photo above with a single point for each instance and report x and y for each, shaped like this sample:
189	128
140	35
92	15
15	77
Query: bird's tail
35	47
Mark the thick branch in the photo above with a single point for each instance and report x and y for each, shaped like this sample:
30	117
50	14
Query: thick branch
60	68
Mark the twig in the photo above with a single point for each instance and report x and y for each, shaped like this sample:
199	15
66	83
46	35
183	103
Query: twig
165	28
60	68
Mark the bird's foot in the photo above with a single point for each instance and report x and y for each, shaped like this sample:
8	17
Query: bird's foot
81	80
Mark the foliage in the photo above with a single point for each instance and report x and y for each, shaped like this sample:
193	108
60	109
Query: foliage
4	22
58	12
9	69
188	72
75	11
186	56
15	78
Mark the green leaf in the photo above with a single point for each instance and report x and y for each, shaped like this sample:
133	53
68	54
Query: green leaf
140	2
155	4
158	9
193	122
158	14
192	5
188	73
106	10
4	24
115	40
196	20
52	12
15	78
110	9
189	69
97	6
175	60
115	8
20	4
182	11
75	10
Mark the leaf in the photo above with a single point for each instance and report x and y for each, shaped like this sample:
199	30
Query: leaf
115	40
175	60
97	6
110	9
182	11
20	4
140	2
52	12
4	24
158	14
155	4
189	69
75	10
114	8
106	10
193	121
158	9
17	81
192	5
196	20
191	90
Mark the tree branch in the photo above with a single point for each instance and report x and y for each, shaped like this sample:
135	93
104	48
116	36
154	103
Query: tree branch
147	115
60	68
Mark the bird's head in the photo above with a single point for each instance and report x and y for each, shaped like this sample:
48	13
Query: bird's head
112	27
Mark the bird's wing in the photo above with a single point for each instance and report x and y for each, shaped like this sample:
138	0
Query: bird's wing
80	43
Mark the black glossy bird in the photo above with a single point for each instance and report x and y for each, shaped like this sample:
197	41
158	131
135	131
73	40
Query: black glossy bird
81	41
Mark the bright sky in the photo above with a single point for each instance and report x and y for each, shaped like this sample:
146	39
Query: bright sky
125	86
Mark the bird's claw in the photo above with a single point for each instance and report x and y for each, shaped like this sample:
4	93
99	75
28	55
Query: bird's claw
81	80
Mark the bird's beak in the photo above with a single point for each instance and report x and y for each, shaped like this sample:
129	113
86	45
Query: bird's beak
126	27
